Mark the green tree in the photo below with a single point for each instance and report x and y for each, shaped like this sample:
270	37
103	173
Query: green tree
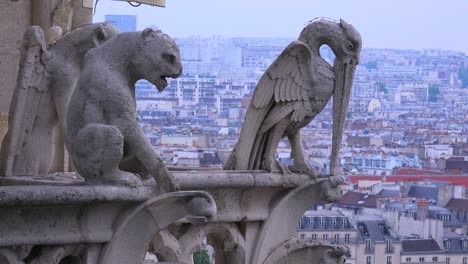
201	257
433	93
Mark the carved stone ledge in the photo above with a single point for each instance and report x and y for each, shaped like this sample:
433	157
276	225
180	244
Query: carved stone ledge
301	251
254	217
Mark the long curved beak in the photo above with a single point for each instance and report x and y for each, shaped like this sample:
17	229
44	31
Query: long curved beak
344	76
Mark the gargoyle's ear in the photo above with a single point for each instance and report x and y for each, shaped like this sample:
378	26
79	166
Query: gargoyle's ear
147	33
99	35
343	23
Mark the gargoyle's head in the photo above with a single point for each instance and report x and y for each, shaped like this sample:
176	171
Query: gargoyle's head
159	58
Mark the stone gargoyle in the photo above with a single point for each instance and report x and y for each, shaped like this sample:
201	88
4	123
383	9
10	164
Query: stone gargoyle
105	140
293	90
46	79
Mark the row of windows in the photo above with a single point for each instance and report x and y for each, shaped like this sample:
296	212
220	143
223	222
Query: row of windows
371	163
447	244
336	237
309	221
369	260
436	259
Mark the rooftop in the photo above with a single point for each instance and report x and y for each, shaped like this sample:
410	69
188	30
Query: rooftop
419	246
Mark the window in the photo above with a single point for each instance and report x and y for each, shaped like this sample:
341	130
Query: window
408	259
302	236
447	260
446	217
465	244
465	260
389	259
314	236
421	259
389	245
346	238
368	245
368	260
333	222
435	259
336	238
325	237
322	222
344	222
447	244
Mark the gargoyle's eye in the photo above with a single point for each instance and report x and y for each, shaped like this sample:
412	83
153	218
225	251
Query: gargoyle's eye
350	47
169	57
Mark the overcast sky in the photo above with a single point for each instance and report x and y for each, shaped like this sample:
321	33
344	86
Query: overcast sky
405	24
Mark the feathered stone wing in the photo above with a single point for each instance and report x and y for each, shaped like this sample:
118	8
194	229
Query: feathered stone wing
287	83
32	82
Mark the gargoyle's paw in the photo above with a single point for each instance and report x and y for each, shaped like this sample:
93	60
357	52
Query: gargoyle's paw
122	178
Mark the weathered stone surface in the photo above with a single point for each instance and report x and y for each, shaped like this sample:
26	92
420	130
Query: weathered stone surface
15	17
47	77
63	15
300	251
105	140
293	90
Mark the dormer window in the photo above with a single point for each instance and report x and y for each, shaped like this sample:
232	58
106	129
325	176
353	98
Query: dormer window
461	216
465	244
447	244
333	222
446	217
343	222
322	222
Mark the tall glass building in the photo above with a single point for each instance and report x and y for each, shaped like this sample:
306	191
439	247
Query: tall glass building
123	22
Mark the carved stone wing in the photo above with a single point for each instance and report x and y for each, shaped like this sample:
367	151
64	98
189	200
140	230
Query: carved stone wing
290	82
288	78
32	82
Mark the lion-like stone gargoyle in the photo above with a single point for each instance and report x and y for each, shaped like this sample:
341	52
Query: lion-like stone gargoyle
105	140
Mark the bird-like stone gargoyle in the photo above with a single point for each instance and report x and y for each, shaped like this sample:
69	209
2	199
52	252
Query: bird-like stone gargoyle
46	79
293	90
105	140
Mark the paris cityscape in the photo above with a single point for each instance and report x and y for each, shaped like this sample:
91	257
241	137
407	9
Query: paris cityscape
404	152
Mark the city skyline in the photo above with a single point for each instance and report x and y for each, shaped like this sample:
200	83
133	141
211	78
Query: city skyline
396	25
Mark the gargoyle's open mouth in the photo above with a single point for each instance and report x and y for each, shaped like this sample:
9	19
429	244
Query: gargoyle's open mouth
164	80
161	82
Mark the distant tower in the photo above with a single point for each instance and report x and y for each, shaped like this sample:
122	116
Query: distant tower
123	22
